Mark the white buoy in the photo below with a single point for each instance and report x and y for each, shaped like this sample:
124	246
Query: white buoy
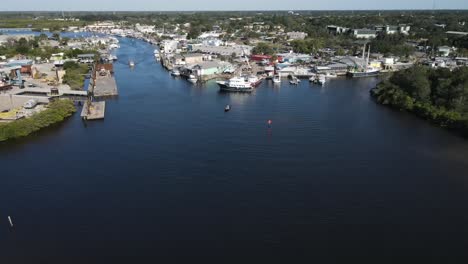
11	222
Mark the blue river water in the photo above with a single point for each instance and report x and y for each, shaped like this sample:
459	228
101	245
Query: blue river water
169	177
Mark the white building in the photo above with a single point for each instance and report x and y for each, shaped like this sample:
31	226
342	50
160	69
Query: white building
444	50
296	35
364	33
145	28
238	50
169	46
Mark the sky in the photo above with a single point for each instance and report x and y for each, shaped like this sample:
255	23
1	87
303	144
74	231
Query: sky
198	5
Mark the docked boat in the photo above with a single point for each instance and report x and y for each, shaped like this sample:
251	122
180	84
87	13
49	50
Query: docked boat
330	75
175	72
157	56
294	80
364	70
192	79
277	79
318	79
368	72
236	84
254	80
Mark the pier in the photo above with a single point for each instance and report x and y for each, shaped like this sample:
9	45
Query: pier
93	110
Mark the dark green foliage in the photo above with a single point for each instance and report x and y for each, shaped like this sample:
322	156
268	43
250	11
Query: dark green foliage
307	45
394	44
75	74
56	112
264	48
440	96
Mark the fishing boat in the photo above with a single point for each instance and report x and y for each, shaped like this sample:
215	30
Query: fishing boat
364	70
236	84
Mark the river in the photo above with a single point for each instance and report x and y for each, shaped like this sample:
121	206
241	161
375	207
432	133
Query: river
168	176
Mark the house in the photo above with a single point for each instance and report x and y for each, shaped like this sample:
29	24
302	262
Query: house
237	50
444	50
337	30
296	35
402	29
86	58
364	33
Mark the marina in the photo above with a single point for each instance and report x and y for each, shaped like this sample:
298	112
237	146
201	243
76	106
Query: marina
239	136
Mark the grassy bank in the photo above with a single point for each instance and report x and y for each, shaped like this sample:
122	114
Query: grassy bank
438	96
57	111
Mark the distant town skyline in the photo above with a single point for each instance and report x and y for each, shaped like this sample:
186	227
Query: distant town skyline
221	5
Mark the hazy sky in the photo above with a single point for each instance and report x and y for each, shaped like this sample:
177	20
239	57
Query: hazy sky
175	5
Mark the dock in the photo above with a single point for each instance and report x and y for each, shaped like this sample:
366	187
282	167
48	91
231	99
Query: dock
103	83
93	110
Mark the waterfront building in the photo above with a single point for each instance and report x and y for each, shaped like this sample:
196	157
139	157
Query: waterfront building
296	35
364	33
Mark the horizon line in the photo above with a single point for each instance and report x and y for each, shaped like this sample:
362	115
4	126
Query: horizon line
246	10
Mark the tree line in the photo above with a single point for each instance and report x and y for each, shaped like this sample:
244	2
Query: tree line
438	95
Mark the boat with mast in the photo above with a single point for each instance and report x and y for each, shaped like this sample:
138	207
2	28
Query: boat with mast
364	70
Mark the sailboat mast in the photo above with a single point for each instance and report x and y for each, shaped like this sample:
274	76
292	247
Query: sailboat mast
368	56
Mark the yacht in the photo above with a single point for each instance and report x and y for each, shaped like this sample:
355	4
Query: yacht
236	84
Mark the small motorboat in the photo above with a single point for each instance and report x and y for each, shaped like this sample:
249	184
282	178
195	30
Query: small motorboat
193	79
227	108
175	72
131	64
277	79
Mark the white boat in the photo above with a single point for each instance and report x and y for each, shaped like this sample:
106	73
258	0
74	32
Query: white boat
318	79
294	80
364	70
277	79
131	63
30	104
236	84
193	79
254	80
175	72
330	75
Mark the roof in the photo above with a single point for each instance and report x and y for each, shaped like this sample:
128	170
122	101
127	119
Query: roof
208	65
193	55
85	55
365	31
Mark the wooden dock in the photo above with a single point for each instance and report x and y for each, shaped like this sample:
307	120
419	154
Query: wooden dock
93	110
